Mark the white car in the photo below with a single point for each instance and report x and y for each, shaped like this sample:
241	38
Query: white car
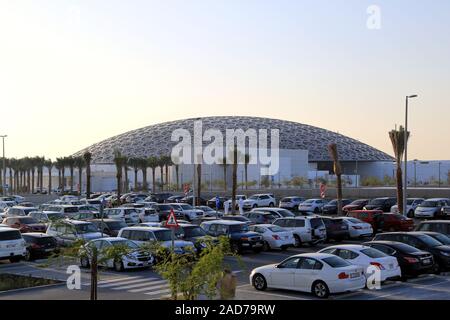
141	235
365	256
150	224
147	215
358	228
129	215
186	211
67	232
12	245
259	200
411	205
312	206
131	260
19	211
67	210
431	208
4	205
309	230
238	197
318	273
274	237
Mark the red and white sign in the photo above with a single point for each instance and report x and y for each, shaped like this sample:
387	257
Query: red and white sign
323	189
172	220
187	187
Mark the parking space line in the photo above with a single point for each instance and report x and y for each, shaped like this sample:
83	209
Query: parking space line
107	285
157	292
148	288
116	279
272	294
137	285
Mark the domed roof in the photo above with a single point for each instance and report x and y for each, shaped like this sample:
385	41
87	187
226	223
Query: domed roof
155	140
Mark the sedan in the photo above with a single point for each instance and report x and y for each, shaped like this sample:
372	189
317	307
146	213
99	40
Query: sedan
25	224
358	228
318	273
365	256
39	245
274	236
290	202
332	206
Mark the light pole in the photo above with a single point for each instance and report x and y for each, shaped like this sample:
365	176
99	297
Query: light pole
4	165
439	174
405	185
415	173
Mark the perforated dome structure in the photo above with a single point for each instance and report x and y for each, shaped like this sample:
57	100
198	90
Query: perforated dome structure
155	140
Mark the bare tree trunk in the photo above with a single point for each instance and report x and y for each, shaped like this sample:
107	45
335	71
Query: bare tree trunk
234	188
49	181
199	184
399	177
339	194
94	275
135	179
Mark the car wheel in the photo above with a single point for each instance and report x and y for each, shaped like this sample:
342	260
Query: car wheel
27	255
316	210
84	262
235	248
284	248
271	204
410	214
14	259
118	266
266	246
259	282
298	241
320	289
254	206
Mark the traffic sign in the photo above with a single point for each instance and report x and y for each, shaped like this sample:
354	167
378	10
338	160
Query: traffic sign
172	220
323	189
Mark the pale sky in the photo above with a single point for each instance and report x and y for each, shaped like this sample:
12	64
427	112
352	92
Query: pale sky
73	73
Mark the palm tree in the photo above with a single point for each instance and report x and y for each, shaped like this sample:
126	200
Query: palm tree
332	149
71	164
161	164
246	162
41	165
224	166
125	160
398	144
49	165
79	164
152	162
87	156
177	169
142	163
199	184
234	187
60	166
33	163
118	161
167	162
9	166
134	164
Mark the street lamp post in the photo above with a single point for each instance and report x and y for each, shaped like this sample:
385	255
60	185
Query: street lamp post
439	163
405	186
415	173
4	165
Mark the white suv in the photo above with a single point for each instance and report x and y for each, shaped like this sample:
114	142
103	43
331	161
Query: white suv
12	245
260	200
186	211
305	229
129	215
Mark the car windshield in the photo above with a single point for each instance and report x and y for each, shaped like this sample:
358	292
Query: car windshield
71	209
373	253
194	232
28	220
429	204
309	201
55	216
316	222
354	220
336	262
276	229
332	202
163	235
253	198
186	207
285	213
86	228
358	202
239	228
430	241
10	235
377	201
116	225
130	244
164	207
442	238
405	248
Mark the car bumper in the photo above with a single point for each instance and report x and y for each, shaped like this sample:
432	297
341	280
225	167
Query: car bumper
391	273
346	285
281	243
287	206
6	254
251	245
424	214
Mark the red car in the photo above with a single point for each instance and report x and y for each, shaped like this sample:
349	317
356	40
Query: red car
25	224
369	216
396	222
355	205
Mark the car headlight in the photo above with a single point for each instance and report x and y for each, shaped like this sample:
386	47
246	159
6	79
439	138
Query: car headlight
445	253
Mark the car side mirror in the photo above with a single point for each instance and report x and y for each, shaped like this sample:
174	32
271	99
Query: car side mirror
279	266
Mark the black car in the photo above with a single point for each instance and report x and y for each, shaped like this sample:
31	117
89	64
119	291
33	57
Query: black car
412	261
331	207
383	204
163	211
190	199
174	199
441	226
110	227
237	218
194	234
212	202
438	236
337	229
440	252
240	237
39	245
159	197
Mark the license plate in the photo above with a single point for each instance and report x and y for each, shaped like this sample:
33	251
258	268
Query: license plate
354	275
426	261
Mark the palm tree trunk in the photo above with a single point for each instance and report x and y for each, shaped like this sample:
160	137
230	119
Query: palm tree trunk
135	179
339	194
162	177
63	179
246	176
399	178
199	184
80	176
234	187
153	180
144	179
178	177
167	177
49	180
32	180
71	179
225	177
126	179
88	180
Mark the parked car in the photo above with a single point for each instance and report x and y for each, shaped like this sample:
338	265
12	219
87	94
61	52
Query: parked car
46	217
441	226
337	229
239	218
411	205
309	230
39	245
163	211
12	245
4	205
438	236
357	228
212	202
129	215
282	213
261	217
88	208
19	211
195	234
14	199
396	222
134	258
240	237
259	200
412	261
67	232
186	211
209	212
159	197
384	204
24	224
174	199
110	227
27	204
432	208
332	206
238	197
291	203
311	206
67	210
274	236
318	273
373	217
141	235
85	216
148	215
190	200
365	256
440	252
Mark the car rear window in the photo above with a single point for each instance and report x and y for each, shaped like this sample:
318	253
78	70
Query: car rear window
276	229
373	253
316	222
10	235
336	262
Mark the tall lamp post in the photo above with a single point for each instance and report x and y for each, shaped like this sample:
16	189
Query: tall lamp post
439	174
4	165
405	184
